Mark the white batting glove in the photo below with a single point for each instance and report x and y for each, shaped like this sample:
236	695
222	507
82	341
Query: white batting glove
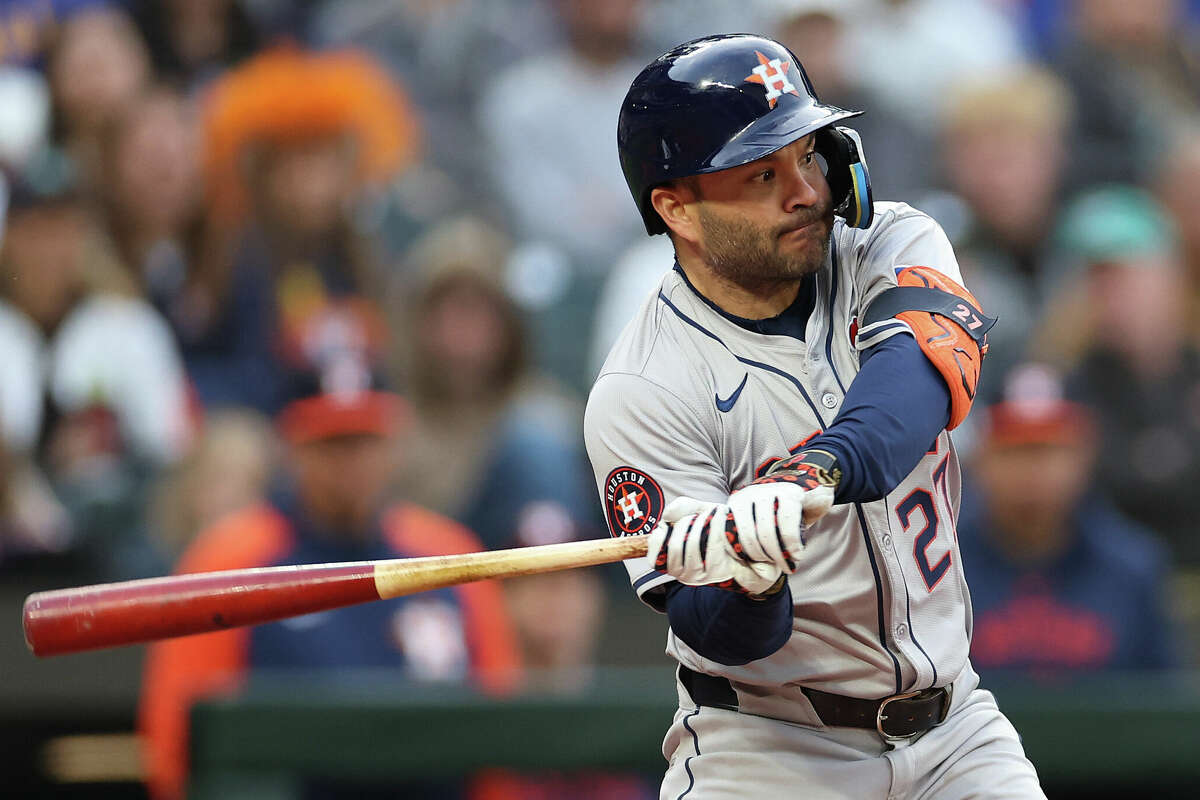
691	545
769	520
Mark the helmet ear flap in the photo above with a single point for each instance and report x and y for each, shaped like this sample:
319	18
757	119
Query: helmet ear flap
849	180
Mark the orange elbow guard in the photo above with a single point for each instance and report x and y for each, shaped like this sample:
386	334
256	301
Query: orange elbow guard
948	324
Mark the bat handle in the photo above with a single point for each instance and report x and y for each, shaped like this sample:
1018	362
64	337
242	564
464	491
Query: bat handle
407	575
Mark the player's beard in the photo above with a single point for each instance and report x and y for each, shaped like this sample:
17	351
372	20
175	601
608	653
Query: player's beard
753	257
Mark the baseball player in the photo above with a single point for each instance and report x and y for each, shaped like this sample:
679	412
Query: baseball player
775	416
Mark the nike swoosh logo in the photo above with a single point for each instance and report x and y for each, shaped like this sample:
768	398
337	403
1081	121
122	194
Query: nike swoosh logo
725	405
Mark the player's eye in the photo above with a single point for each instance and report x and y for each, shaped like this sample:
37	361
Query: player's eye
810	158
765	176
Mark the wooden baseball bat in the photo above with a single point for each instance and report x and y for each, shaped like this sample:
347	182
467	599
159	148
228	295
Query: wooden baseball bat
113	614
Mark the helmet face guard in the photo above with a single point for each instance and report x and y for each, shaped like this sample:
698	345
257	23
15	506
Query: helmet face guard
724	101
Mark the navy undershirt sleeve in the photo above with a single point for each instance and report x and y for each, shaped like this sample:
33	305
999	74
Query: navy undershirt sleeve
728	627
893	411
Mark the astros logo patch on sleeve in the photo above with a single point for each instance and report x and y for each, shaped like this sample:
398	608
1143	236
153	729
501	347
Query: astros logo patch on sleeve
633	502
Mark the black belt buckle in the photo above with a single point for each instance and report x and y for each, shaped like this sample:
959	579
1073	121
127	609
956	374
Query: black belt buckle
881	715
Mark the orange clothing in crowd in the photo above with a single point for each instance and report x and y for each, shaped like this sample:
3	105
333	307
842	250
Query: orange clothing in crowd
470	621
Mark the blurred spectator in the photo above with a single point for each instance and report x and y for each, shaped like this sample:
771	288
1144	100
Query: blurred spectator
553	164
24	117
1061	583
509	466
1137	365
6	513
1112	224
557	615
1045	21
1178	187
27	27
340	432
557	618
666	23
192	41
97	67
226	470
294	141
151	196
1004	151
93	393
505	441
899	155
1133	72
548	125
31	518
634	278
444	51
910	53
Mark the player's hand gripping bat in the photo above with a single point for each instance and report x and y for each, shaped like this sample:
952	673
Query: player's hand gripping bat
108	615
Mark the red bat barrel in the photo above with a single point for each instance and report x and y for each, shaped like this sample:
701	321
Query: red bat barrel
109	615
71	620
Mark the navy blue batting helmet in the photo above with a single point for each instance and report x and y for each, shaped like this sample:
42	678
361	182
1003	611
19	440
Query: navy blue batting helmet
723	101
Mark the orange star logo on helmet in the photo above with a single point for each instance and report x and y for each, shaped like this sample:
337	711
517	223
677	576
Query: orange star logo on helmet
772	74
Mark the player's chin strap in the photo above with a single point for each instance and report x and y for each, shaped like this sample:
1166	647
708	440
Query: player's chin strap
847	173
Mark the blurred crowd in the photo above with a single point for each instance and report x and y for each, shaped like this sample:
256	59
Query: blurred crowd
302	281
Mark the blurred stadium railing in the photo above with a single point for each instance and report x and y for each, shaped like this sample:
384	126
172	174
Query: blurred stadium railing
1102	738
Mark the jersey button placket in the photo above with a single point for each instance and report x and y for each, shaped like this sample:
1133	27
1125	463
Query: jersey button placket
901	631
829	400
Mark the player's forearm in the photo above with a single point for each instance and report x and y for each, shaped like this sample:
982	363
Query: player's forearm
727	627
892	413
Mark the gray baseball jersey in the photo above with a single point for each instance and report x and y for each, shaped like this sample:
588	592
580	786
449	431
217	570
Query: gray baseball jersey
690	403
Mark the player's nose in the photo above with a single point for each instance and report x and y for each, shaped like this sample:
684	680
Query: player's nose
801	189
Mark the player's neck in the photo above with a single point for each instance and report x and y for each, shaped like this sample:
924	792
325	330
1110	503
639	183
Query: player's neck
761	301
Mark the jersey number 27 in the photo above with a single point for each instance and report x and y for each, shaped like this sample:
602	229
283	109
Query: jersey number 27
922	500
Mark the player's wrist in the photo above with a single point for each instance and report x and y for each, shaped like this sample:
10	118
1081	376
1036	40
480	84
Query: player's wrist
773	590
809	468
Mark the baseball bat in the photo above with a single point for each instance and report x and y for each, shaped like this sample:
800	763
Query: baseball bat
114	614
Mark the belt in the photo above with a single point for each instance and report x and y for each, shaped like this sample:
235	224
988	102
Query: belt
896	718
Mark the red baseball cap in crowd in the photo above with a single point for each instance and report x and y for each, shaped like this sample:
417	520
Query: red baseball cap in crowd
1035	410
344	399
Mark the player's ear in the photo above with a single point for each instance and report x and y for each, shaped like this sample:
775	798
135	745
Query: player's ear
675	203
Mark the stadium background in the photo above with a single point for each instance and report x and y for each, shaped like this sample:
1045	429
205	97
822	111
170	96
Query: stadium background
202	197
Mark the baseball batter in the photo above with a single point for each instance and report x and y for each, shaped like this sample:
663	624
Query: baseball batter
775	415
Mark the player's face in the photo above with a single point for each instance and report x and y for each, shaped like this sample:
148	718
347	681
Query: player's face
768	220
341	479
1030	489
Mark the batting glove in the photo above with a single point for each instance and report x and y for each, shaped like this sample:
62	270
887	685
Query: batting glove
769	515
816	472
693	543
766	524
